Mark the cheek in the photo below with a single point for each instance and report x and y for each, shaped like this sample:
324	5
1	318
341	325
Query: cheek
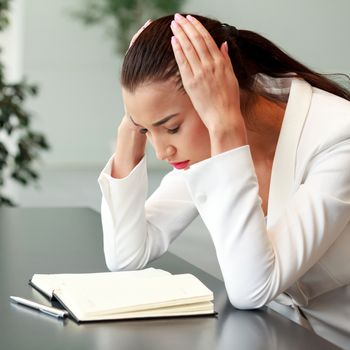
197	135
200	132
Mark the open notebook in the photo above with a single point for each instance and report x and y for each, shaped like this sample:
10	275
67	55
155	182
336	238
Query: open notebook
127	294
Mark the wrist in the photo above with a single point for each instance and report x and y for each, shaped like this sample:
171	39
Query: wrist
123	167
223	139
131	144
130	150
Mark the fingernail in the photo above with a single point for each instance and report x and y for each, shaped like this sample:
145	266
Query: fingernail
178	17
174	24
173	40
226	46
190	18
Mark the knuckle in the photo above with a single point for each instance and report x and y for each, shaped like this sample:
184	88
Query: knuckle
206	37
220	64
181	60
197	36
208	68
187	46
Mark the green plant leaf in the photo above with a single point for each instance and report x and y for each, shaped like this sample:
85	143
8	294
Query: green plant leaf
122	18
15	122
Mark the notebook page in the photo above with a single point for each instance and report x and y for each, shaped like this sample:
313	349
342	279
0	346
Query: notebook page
48	282
134	294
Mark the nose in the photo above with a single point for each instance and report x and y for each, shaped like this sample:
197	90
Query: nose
163	151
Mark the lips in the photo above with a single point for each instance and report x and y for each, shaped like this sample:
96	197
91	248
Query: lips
180	165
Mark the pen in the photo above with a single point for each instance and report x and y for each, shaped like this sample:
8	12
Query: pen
49	310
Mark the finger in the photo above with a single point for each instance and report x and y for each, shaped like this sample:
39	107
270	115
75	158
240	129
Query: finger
187	49
224	51
181	60
207	38
226	55
195	37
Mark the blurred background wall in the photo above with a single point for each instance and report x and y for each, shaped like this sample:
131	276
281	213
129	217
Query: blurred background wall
77	69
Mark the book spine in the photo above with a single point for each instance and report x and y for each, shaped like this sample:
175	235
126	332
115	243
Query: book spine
39	290
71	313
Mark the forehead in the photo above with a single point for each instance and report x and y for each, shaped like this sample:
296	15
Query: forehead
153	101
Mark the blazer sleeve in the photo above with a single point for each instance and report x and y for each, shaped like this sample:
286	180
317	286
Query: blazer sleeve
259	263
136	230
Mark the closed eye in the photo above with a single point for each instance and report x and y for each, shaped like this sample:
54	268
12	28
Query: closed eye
173	131
170	131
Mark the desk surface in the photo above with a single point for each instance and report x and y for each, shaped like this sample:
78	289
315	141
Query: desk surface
70	240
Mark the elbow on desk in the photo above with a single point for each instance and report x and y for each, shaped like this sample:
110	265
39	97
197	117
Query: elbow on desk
115	263
248	291
246	300
243	303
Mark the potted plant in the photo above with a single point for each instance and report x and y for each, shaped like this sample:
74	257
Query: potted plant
20	146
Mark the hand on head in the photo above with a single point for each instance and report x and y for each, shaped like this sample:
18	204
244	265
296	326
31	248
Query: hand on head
208	78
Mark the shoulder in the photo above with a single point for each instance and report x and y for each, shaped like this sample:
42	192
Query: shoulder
326	129
325	102
329	115
327	122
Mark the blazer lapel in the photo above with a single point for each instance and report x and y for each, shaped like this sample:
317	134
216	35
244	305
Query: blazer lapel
283	168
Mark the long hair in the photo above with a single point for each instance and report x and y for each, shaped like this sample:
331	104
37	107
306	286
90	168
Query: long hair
151	58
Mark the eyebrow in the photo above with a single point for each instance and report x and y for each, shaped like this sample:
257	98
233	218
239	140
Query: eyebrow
159	122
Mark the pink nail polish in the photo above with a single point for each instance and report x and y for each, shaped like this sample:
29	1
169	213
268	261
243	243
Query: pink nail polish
226	46
190	18
174	24
173	40
178	17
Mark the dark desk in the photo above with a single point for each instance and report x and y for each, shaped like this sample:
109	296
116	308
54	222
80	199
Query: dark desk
70	240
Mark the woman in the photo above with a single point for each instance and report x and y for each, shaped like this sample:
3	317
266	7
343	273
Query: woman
261	150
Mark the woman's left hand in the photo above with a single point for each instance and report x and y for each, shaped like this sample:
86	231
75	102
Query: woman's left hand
209	80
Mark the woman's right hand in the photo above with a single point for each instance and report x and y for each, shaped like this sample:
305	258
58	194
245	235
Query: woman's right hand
130	148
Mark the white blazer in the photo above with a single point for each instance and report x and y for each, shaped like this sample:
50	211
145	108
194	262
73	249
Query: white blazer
299	257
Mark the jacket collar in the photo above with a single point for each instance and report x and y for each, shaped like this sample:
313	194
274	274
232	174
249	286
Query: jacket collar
283	168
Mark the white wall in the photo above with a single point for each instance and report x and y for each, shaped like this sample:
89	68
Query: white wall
77	72
79	105
314	31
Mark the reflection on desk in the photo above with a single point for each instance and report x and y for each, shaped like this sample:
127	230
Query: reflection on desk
32	241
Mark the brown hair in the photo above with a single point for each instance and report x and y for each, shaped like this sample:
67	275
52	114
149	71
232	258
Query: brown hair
151	58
